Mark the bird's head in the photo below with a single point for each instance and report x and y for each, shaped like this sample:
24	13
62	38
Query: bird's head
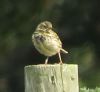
44	26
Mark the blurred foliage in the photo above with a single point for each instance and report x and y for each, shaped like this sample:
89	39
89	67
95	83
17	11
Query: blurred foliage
89	90
76	21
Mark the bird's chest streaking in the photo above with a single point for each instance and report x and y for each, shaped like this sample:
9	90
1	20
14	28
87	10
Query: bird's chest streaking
47	44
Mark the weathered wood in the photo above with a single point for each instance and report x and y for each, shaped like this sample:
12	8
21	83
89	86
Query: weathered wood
51	78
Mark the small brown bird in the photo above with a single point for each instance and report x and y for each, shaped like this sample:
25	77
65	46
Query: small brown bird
46	41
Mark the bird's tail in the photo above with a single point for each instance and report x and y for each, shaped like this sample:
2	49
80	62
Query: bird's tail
64	51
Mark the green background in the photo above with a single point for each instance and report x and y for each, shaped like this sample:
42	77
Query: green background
77	22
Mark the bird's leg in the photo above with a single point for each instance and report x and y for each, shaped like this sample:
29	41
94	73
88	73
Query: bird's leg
60	58
46	60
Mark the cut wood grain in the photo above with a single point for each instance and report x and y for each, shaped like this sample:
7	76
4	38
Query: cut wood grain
51	78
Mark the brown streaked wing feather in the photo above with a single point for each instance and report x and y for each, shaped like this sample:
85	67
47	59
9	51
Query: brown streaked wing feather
54	35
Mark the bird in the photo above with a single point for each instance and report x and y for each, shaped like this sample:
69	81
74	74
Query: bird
46	41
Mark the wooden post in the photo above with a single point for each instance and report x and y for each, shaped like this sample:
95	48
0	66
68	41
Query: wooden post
51	78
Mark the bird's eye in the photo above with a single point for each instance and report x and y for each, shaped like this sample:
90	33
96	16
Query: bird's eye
44	26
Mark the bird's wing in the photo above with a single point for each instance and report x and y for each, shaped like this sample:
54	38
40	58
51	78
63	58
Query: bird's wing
55	37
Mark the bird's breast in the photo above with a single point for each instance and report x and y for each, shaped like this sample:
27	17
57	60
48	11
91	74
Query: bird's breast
46	45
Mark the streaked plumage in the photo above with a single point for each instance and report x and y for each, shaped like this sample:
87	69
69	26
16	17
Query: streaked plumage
46	41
